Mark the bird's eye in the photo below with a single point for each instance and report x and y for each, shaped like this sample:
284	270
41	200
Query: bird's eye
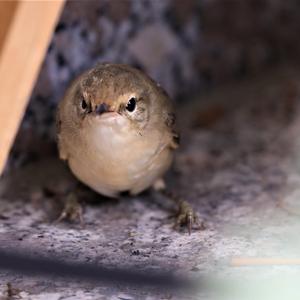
83	104
131	104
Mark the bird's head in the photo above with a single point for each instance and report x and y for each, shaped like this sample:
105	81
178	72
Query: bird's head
118	94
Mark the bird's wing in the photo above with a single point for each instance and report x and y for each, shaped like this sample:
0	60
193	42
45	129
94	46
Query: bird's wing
171	125
61	150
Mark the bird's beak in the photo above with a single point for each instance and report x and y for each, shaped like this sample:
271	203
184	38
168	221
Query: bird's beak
101	108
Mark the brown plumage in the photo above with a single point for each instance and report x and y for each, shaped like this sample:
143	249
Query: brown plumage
116	129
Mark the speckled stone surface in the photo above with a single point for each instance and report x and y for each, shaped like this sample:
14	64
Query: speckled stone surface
238	167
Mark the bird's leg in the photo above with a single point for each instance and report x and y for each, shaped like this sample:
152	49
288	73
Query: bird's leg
11	293
72	209
186	214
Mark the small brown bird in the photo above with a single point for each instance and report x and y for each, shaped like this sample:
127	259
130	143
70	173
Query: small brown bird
116	131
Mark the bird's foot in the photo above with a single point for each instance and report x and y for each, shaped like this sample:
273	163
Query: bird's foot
187	217
11	292
72	210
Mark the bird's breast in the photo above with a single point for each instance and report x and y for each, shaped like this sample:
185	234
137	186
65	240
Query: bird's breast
114	158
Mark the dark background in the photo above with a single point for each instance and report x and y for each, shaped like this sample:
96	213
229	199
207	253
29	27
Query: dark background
190	47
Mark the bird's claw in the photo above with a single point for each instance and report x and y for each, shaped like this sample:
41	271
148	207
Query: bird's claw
187	216
72	210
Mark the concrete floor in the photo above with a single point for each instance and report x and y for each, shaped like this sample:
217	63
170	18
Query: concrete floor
237	166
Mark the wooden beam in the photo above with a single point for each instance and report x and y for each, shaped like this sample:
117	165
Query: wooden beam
26	28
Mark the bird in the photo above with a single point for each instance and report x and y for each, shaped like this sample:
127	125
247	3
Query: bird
116	129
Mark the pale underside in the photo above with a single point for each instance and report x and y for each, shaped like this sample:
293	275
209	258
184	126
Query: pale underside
110	157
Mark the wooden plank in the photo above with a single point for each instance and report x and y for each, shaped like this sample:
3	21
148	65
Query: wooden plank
24	43
7	11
